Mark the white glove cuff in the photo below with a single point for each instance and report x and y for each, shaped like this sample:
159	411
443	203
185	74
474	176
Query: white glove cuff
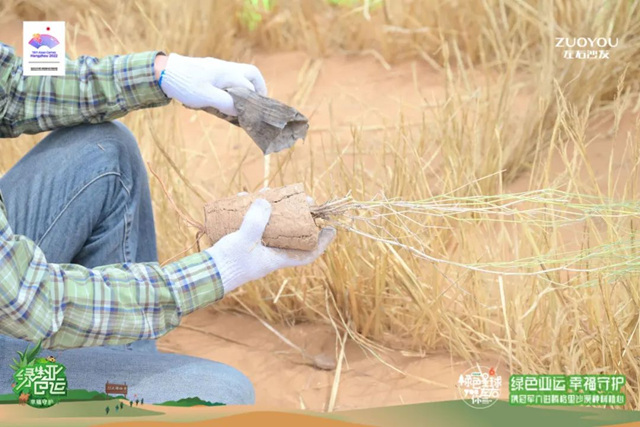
174	79
229	266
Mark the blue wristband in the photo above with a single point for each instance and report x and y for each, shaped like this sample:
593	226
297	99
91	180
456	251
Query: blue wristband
160	79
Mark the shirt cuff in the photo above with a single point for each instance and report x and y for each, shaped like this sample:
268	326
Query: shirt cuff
136	76
197	281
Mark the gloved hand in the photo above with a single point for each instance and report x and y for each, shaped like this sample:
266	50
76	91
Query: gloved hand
200	82
241	257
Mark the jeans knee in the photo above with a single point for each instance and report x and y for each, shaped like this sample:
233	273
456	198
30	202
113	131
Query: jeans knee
222	382
95	149
123	151
246	394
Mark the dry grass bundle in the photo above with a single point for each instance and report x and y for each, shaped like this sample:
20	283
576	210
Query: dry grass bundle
404	223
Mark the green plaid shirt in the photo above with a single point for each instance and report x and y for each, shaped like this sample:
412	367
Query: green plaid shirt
69	305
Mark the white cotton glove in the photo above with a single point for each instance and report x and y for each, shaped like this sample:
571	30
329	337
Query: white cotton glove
241	257
201	82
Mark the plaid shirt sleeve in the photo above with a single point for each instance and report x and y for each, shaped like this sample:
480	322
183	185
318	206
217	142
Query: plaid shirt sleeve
71	306
92	91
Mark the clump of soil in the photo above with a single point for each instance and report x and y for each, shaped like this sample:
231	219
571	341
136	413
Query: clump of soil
291	225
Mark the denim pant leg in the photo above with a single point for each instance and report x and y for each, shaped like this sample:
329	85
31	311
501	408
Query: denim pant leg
82	195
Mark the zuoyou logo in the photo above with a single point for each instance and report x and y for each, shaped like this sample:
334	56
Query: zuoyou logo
587	47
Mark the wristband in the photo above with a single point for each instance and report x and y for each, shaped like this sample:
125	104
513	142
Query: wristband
160	79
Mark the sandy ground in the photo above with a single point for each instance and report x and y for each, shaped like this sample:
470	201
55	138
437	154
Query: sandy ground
348	91
283	379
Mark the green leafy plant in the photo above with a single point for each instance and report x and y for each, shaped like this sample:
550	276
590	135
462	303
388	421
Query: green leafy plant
251	15
27	357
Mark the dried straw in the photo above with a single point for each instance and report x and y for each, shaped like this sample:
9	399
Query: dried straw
398	223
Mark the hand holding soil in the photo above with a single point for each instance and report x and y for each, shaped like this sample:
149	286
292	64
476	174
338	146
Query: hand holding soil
242	257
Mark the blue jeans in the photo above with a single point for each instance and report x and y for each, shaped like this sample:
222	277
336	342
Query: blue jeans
82	194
